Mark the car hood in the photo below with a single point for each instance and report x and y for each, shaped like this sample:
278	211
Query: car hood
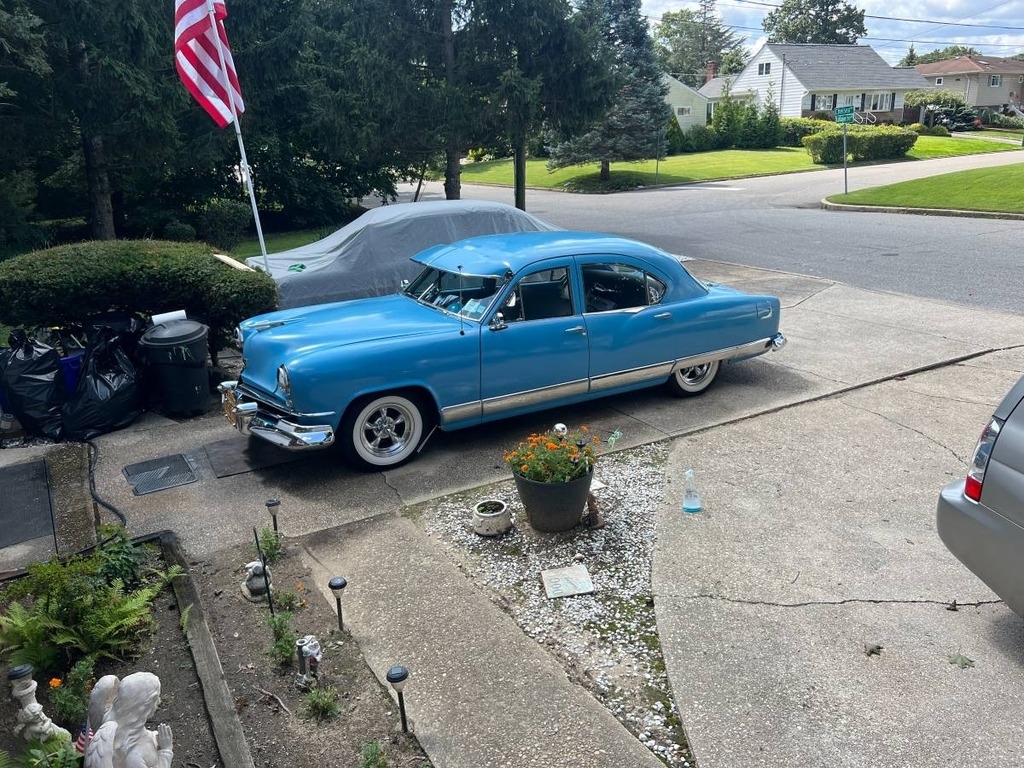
293	335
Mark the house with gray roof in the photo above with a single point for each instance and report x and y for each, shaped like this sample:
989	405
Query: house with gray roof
984	81
688	106
805	79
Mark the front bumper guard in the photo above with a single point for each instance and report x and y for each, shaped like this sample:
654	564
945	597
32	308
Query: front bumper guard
244	414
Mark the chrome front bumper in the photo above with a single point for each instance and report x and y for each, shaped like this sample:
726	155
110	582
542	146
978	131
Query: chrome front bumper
243	413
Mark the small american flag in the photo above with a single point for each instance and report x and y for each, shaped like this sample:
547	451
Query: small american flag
200	42
84	737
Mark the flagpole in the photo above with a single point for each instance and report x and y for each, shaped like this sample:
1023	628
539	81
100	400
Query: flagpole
246	172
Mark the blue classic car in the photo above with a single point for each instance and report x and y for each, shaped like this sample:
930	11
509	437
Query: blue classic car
494	326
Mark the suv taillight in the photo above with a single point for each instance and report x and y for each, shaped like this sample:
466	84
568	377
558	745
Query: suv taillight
982	453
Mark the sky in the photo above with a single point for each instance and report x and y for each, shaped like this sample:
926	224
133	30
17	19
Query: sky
994	27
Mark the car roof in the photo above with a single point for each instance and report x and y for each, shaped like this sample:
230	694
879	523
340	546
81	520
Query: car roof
498	254
1010	402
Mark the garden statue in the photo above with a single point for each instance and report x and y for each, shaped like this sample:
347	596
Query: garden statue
255	585
123	741
33	724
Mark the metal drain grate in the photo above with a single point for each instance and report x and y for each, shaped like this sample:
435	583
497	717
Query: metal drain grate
160	474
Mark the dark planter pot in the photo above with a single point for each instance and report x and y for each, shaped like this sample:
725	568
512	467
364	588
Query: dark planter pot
554	507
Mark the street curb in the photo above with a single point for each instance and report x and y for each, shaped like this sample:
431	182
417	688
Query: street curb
829	206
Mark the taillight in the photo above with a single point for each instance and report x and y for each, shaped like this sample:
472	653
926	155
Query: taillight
982	453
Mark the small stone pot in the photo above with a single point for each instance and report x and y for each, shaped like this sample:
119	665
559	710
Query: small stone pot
554	507
491	517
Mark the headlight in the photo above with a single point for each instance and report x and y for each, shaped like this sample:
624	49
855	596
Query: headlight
237	337
283	383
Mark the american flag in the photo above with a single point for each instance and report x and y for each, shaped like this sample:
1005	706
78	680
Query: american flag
84	737
199	62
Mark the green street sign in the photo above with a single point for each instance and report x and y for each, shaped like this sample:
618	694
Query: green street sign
844	114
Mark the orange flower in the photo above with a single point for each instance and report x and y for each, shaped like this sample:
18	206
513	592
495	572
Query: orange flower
525	467
55	682
552	446
584	429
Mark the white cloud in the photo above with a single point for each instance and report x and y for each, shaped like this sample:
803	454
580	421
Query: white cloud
889	36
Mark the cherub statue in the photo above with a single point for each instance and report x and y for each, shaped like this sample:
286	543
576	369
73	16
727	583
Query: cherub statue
122	740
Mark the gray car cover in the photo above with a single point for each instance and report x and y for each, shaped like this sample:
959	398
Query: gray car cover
371	255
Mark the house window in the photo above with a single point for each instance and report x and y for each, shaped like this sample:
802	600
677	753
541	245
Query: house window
994	81
938	81
764	69
824	101
681	111
880	102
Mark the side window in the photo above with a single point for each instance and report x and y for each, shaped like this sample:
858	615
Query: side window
539	295
619	286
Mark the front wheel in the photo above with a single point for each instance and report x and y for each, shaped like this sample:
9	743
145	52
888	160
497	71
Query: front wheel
687	382
381	432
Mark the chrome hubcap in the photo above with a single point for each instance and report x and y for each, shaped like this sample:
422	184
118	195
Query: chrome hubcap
386	431
696	374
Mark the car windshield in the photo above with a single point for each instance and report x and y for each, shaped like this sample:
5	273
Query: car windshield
455	292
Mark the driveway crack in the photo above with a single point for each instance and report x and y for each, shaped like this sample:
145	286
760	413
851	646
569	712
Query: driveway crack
949	604
906	426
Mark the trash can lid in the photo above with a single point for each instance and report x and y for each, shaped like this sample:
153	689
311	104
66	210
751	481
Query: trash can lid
173	332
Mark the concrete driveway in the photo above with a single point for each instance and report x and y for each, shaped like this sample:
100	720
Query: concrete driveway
819	467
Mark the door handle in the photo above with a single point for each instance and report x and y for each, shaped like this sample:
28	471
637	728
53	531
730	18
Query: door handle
577	329
663	316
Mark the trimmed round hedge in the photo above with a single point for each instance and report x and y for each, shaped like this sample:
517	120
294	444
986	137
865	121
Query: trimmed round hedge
70	284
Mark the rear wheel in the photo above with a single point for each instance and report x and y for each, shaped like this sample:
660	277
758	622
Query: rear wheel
687	382
383	431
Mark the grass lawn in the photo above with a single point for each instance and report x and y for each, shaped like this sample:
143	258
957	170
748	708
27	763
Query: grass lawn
708	166
279	241
981	189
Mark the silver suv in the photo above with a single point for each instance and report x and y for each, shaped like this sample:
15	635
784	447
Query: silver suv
981	518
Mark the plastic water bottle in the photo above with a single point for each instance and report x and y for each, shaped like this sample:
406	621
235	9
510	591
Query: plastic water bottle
691	496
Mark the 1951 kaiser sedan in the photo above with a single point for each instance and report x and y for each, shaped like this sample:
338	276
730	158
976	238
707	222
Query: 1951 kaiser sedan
494	326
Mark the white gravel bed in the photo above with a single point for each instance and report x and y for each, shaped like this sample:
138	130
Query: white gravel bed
607	641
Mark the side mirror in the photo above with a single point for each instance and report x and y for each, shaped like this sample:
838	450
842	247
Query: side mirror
497	322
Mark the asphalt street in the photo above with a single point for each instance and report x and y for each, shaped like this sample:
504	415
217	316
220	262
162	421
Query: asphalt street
776	222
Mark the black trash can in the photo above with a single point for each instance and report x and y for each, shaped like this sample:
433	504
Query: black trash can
175	354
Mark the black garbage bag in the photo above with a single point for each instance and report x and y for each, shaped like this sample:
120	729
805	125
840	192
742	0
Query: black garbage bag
107	396
32	380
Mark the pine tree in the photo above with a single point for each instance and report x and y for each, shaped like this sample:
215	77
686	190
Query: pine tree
633	128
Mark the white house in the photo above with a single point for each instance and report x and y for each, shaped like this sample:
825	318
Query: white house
983	81
803	79
688	106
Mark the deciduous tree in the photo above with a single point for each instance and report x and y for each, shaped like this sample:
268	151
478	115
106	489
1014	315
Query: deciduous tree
831	22
686	43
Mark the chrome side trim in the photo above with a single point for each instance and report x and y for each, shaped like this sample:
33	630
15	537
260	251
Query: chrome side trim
461	412
752	349
635	376
533	397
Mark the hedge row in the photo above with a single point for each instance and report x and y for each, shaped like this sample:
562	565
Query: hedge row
884	142
70	284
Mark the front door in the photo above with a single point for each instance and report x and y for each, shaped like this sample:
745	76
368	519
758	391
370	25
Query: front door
539	355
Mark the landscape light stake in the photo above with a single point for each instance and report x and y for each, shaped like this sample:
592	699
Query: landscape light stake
272	507
266	580
396	677
337	586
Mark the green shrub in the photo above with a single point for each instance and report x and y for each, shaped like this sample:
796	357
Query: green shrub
222	223
793	129
179	231
70	284
69	611
825	148
282	650
70	695
918	128
270	543
863	142
55	753
321	703
675	138
373	756
999	120
702	138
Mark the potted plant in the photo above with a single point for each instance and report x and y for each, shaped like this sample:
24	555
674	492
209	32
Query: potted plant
552	472
491	517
